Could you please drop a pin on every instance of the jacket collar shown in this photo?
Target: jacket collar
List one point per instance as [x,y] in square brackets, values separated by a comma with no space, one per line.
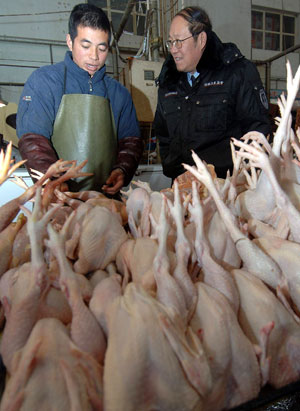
[76,70]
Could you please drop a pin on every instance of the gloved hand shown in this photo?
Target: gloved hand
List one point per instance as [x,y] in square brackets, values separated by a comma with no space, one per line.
[38,151]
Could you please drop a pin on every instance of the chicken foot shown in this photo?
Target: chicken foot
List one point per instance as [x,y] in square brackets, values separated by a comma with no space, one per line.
[168,291]
[183,251]
[5,161]
[214,274]
[10,210]
[73,171]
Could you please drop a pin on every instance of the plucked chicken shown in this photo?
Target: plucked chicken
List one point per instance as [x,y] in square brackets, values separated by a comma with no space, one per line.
[183,299]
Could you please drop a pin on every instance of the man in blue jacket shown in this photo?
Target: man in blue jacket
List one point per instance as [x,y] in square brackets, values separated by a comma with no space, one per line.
[74,111]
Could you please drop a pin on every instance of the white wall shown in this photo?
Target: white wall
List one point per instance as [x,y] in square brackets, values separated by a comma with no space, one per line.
[287,5]
[231,20]
[34,20]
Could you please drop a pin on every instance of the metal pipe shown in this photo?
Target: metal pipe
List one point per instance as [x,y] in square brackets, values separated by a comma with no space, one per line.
[115,62]
[277,56]
[2,83]
[268,80]
[12,39]
[155,41]
[128,10]
[19,66]
[117,35]
[267,64]
[51,54]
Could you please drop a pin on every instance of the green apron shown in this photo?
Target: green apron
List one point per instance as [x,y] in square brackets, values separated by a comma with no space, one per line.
[84,129]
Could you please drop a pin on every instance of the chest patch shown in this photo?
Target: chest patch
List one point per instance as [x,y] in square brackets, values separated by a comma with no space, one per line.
[171,93]
[214,83]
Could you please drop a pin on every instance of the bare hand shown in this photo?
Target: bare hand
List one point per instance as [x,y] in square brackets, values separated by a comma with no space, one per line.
[114,182]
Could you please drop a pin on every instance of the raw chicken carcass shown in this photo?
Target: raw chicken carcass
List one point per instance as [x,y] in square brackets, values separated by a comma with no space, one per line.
[268,324]
[103,296]
[51,373]
[254,259]
[7,237]
[15,281]
[259,158]
[101,236]
[135,261]
[140,202]
[142,372]
[221,245]
[169,291]
[234,366]
[213,273]
[96,276]
[85,331]
[74,200]
[22,315]
[183,252]
[138,206]
[38,351]
[259,203]
[280,228]
[287,256]
[21,248]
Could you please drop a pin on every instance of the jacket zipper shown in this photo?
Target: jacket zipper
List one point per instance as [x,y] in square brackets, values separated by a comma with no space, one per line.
[91,84]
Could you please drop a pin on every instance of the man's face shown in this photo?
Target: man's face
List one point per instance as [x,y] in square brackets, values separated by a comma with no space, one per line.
[89,48]
[187,57]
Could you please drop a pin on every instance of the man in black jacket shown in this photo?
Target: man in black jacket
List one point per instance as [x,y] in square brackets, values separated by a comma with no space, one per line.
[208,93]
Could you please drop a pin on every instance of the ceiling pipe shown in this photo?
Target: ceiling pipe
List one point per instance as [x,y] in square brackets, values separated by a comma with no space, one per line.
[118,34]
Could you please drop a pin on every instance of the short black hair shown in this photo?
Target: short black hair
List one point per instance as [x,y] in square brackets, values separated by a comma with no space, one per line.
[88,15]
[197,18]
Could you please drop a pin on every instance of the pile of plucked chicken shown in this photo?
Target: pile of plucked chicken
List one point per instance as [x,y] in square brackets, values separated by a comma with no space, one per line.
[183,299]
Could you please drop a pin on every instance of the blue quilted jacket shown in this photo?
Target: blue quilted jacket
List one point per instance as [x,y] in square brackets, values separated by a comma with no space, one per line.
[44,89]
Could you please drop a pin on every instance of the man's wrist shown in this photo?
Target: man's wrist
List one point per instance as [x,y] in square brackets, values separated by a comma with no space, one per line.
[119,169]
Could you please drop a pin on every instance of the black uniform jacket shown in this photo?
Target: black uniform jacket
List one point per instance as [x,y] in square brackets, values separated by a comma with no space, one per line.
[227,100]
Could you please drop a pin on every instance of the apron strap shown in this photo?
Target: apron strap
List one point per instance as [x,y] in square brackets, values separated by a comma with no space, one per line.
[65,80]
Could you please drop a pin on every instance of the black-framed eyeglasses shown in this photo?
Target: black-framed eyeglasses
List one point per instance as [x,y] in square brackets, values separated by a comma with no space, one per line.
[176,43]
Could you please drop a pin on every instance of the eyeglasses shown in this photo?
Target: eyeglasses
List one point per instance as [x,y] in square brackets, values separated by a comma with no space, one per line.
[176,43]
